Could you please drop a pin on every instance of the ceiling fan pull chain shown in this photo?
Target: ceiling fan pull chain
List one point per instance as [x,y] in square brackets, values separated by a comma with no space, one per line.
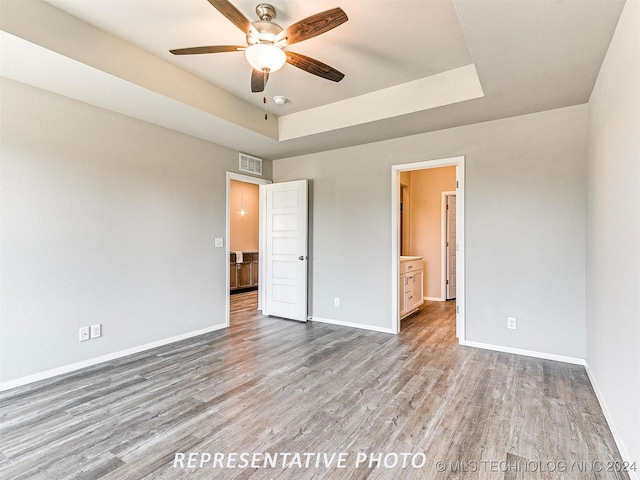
[265,72]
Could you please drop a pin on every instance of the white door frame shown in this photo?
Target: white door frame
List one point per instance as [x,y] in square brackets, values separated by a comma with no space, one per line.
[395,238]
[256,181]
[443,244]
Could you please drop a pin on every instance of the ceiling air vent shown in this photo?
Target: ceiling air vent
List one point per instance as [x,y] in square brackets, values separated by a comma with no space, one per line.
[250,164]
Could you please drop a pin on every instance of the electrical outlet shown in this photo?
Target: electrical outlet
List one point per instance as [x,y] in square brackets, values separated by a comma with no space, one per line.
[96,330]
[336,302]
[511,323]
[218,242]
[84,334]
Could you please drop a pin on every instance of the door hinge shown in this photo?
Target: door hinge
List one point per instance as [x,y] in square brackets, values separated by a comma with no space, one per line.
[457,308]
[447,282]
[457,184]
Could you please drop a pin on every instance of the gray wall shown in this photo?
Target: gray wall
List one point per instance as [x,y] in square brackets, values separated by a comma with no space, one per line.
[105,219]
[613,258]
[525,224]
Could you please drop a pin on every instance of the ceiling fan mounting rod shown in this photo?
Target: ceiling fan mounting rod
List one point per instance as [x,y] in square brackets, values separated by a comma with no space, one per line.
[265,12]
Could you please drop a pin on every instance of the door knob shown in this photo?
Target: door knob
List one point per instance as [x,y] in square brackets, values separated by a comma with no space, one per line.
[301,257]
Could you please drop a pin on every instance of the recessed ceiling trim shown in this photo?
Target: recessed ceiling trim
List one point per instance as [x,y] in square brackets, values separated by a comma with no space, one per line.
[445,88]
[34,65]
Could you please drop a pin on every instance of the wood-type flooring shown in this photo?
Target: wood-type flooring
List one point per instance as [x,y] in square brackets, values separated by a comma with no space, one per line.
[321,401]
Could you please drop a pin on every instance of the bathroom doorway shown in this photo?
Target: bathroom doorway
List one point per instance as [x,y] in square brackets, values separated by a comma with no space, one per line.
[423,264]
[243,242]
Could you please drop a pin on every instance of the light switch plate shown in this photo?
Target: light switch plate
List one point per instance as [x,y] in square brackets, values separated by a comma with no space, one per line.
[219,242]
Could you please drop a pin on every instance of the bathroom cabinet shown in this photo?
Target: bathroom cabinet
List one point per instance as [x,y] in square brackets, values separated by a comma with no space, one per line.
[243,275]
[411,284]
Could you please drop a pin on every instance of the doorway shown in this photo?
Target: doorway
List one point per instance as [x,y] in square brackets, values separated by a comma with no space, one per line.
[243,244]
[425,234]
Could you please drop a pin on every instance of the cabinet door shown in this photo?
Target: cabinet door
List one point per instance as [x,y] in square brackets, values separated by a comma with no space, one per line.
[403,295]
[254,272]
[233,280]
[409,292]
[244,275]
[418,295]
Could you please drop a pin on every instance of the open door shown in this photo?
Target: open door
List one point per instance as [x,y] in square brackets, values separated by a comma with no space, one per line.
[451,247]
[285,266]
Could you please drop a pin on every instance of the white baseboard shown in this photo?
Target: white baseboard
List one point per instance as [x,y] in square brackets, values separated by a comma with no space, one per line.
[526,353]
[352,325]
[104,358]
[434,299]
[612,426]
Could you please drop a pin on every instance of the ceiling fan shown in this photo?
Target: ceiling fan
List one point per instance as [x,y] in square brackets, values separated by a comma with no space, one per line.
[266,42]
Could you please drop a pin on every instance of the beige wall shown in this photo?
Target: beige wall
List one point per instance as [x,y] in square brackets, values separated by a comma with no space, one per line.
[243,229]
[405,183]
[426,187]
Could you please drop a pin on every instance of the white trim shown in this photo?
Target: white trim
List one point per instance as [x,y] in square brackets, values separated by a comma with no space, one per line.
[434,299]
[256,181]
[104,358]
[624,453]
[351,325]
[458,162]
[526,353]
[443,243]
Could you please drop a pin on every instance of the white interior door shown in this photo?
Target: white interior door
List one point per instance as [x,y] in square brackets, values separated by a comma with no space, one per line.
[451,247]
[285,266]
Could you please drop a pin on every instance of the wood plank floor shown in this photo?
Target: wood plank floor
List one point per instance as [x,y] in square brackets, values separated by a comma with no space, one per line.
[272,386]
[243,302]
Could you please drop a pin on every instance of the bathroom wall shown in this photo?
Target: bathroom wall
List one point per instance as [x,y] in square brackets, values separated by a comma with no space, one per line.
[243,228]
[426,187]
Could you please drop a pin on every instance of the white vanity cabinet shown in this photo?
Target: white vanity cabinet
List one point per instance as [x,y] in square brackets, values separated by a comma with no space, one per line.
[411,284]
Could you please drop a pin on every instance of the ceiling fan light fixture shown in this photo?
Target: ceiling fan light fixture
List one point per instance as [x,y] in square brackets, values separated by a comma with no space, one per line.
[265,57]
[266,42]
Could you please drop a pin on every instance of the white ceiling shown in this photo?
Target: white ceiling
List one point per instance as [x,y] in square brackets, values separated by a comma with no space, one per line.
[399,57]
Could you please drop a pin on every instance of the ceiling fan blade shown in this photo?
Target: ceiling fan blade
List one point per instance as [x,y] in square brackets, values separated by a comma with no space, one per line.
[314,66]
[312,26]
[213,49]
[258,80]
[234,15]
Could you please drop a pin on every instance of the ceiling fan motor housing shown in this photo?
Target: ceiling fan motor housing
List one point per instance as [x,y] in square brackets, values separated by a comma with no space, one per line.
[267,32]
